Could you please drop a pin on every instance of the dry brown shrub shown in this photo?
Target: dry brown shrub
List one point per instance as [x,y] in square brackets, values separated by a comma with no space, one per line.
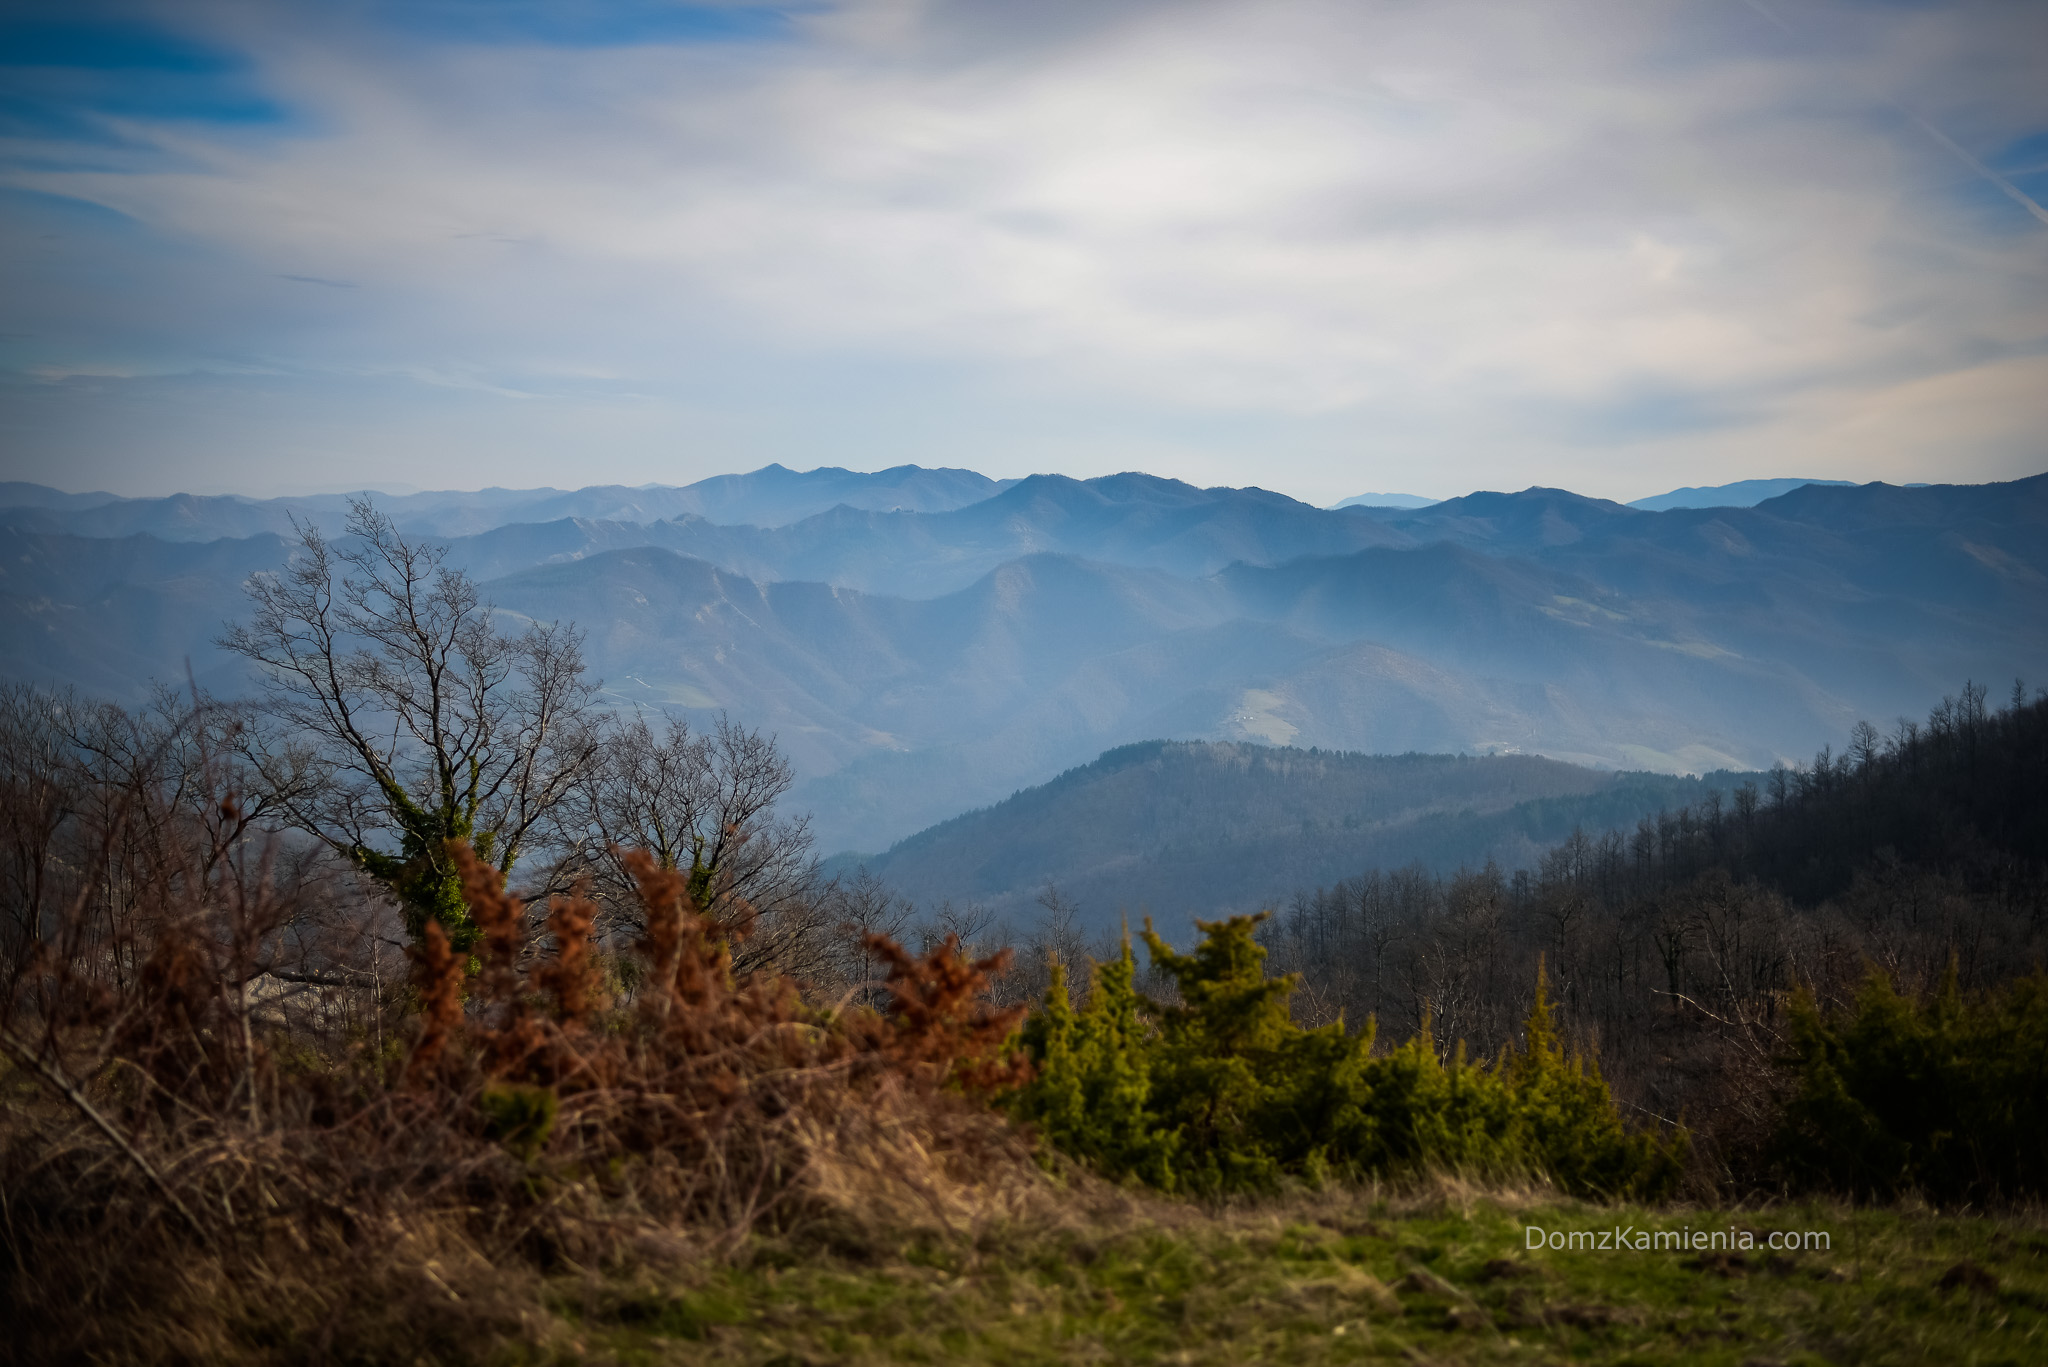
[942,1025]
[571,978]
[182,1179]
[439,973]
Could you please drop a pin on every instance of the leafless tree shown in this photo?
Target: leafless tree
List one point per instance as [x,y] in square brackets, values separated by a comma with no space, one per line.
[703,802]
[1455,966]
[106,812]
[397,716]
[1057,935]
[969,923]
[39,797]
[868,906]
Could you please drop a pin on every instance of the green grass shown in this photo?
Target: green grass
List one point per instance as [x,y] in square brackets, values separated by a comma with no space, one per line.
[1349,1279]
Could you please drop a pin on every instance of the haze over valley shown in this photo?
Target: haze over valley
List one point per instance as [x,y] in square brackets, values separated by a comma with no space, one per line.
[926,642]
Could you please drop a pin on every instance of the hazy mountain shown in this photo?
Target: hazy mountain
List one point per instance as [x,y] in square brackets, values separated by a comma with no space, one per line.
[1541,622]
[1128,519]
[773,496]
[1181,830]
[179,517]
[769,497]
[1163,524]
[900,712]
[1036,628]
[15,494]
[1120,519]
[111,616]
[1535,519]
[1743,493]
[1876,593]
[904,709]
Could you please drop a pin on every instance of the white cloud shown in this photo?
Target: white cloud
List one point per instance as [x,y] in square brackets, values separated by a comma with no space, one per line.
[1488,230]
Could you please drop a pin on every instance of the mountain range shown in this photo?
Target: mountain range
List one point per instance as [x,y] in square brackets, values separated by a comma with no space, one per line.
[919,661]
[769,497]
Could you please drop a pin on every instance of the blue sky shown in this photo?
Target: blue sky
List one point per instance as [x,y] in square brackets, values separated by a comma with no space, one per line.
[1324,246]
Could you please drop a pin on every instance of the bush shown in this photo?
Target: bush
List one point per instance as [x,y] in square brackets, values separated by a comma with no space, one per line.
[1225,1093]
[1946,1097]
[186,1174]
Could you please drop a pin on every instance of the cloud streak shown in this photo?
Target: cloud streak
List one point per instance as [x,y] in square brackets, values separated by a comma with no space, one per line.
[2005,187]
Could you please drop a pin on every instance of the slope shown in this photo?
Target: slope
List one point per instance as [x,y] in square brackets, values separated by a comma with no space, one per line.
[1198,829]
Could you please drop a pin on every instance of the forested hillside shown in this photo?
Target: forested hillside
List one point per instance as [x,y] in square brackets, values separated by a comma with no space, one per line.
[1180,829]
[1675,946]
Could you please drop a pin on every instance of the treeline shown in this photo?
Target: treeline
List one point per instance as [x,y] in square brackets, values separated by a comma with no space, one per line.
[1677,949]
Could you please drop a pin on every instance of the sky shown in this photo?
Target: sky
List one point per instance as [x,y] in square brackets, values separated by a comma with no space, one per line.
[1616,246]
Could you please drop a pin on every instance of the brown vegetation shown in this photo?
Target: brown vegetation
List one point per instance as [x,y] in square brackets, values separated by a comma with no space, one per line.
[206,1152]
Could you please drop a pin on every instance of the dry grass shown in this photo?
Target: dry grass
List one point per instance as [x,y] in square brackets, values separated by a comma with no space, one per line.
[1419,1275]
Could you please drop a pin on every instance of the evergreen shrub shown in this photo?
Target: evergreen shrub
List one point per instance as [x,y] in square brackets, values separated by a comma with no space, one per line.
[1946,1097]
[1223,1092]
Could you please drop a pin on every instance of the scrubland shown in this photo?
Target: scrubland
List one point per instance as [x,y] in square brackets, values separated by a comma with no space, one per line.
[563,1156]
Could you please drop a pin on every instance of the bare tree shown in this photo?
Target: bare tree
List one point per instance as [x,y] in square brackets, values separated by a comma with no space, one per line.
[867,907]
[1060,929]
[104,813]
[966,922]
[704,803]
[1455,966]
[40,794]
[1057,936]
[1865,745]
[396,716]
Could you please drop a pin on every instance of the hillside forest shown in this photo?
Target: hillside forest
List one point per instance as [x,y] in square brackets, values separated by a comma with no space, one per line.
[1691,950]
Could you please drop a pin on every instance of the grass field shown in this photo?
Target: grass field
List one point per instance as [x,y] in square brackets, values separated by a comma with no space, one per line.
[1446,1279]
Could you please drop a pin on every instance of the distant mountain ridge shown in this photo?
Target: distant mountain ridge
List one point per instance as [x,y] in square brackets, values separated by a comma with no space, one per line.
[772,496]
[1130,519]
[15,493]
[1141,520]
[916,664]
[1743,493]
